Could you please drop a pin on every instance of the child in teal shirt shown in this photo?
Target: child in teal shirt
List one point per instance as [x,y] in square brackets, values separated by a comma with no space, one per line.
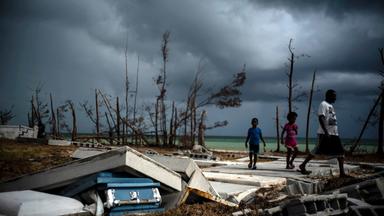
[254,136]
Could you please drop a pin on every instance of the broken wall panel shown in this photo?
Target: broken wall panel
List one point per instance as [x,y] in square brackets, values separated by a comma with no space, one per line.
[182,165]
[370,191]
[197,187]
[16,131]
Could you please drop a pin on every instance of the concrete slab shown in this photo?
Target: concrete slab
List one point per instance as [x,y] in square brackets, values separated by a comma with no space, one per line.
[199,188]
[124,159]
[226,189]
[210,163]
[59,142]
[173,200]
[297,187]
[254,180]
[83,152]
[234,192]
[277,169]
[199,182]
[37,203]
[191,173]
[246,196]
[192,193]
[182,165]
[271,173]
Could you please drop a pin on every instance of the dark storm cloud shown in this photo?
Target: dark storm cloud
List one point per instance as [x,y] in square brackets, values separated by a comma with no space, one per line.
[344,43]
[355,28]
[337,9]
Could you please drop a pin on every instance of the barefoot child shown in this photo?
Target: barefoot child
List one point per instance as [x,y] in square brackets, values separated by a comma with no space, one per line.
[290,142]
[254,136]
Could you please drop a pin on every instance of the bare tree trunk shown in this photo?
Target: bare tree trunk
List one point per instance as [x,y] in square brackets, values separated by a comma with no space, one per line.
[58,122]
[36,120]
[309,113]
[124,138]
[37,92]
[171,125]
[381,122]
[53,118]
[164,124]
[126,91]
[109,108]
[193,122]
[186,117]
[136,93]
[165,53]
[175,128]
[29,120]
[290,75]
[118,120]
[157,122]
[185,130]
[110,130]
[97,113]
[202,127]
[161,80]
[31,116]
[193,110]
[126,80]
[191,132]
[277,129]
[74,125]
[34,112]
[356,143]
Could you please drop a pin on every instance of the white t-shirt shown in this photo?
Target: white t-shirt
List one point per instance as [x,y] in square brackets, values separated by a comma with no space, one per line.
[326,109]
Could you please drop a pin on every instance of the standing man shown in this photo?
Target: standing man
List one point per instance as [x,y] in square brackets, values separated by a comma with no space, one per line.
[329,143]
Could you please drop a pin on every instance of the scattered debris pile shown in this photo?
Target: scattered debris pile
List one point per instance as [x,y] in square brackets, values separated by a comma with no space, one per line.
[119,181]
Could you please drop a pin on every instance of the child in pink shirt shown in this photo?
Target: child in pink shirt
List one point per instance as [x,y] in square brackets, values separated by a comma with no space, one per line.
[290,142]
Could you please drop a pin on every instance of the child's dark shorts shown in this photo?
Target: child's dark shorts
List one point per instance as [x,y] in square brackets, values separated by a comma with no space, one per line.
[254,149]
[329,146]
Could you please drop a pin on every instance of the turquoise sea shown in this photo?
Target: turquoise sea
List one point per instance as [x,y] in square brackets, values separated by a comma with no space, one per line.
[237,143]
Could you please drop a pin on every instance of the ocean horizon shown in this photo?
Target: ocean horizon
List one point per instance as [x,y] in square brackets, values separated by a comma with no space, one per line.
[238,143]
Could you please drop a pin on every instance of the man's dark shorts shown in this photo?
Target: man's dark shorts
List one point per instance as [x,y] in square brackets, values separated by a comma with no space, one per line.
[254,149]
[329,146]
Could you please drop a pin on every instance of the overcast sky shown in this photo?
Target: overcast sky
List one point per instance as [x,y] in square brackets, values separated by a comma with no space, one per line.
[72,47]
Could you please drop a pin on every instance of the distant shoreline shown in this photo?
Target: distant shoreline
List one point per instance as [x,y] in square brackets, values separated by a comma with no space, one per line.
[236,143]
